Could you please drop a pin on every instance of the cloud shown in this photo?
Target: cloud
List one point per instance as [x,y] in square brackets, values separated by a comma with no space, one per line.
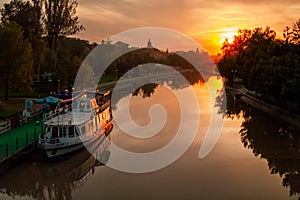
[197,18]
[192,17]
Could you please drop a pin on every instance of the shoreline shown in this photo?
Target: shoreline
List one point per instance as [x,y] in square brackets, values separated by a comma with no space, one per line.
[275,111]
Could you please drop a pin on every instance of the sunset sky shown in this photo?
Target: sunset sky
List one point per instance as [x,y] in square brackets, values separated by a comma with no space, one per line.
[206,21]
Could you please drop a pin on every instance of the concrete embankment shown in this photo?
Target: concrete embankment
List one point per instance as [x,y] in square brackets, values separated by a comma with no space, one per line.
[267,108]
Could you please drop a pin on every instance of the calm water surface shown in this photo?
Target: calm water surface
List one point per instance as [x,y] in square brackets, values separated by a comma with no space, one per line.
[256,157]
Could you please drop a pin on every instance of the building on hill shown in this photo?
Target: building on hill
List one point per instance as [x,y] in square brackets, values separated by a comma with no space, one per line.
[149,44]
[216,58]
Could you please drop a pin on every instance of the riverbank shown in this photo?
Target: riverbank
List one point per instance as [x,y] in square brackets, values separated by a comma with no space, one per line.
[265,107]
[16,158]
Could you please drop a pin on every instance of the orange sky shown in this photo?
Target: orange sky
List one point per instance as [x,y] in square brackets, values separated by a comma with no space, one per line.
[206,21]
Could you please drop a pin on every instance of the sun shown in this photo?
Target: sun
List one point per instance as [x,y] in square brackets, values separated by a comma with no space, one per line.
[229,34]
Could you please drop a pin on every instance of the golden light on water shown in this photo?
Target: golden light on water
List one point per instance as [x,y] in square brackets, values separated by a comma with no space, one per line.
[216,83]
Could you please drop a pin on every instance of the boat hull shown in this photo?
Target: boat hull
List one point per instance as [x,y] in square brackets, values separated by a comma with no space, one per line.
[95,145]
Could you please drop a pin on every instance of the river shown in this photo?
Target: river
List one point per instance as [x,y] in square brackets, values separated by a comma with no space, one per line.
[256,157]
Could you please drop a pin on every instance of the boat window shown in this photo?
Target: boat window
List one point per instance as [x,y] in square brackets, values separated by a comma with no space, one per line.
[77,132]
[71,131]
[54,131]
[87,128]
[91,126]
[83,130]
[94,104]
[64,131]
[81,106]
[96,124]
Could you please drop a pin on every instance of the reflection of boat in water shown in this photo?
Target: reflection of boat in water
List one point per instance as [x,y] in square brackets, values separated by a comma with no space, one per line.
[38,178]
[51,180]
[70,128]
[75,168]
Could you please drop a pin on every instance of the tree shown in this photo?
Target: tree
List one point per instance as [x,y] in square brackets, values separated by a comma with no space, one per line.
[239,43]
[15,58]
[28,14]
[60,20]
[268,66]
[292,35]
[71,53]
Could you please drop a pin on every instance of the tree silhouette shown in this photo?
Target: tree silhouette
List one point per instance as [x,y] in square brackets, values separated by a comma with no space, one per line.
[60,20]
[268,66]
[15,58]
[28,15]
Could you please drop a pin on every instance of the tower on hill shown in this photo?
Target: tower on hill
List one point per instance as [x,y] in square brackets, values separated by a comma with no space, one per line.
[149,44]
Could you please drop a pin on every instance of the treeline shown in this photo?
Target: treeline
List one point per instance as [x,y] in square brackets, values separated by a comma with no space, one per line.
[119,58]
[33,41]
[266,65]
[146,55]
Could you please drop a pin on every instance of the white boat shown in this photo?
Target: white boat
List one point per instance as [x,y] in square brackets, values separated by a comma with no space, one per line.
[84,123]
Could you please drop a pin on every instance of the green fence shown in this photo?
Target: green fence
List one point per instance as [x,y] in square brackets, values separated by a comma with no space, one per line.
[18,138]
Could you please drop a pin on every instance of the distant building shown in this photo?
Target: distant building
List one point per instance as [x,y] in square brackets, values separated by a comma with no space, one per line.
[216,58]
[149,44]
[122,44]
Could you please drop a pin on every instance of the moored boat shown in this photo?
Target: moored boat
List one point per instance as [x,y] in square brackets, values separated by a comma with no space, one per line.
[83,123]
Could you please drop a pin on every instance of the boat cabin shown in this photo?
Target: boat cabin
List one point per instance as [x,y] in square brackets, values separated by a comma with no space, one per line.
[85,105]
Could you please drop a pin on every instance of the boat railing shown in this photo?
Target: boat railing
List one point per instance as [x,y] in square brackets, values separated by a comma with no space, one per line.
[48,116]
[58,111]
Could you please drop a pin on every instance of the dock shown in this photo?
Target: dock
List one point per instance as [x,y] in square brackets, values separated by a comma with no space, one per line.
[15,141]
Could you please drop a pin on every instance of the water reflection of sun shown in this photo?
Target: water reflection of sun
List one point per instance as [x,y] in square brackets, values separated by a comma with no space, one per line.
[215,83]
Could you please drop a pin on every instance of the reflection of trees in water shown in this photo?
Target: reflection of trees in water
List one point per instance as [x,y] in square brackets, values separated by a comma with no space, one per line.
[220,102]
[230,107]
[146,90]
[270,139]
[44,180]
[193,77]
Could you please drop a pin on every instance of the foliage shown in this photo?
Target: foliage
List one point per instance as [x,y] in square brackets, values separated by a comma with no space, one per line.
[268,66]
[28,15]
[11,107]
[60,20]
[71,53]
[55,19]
[292,35]
[15,58]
